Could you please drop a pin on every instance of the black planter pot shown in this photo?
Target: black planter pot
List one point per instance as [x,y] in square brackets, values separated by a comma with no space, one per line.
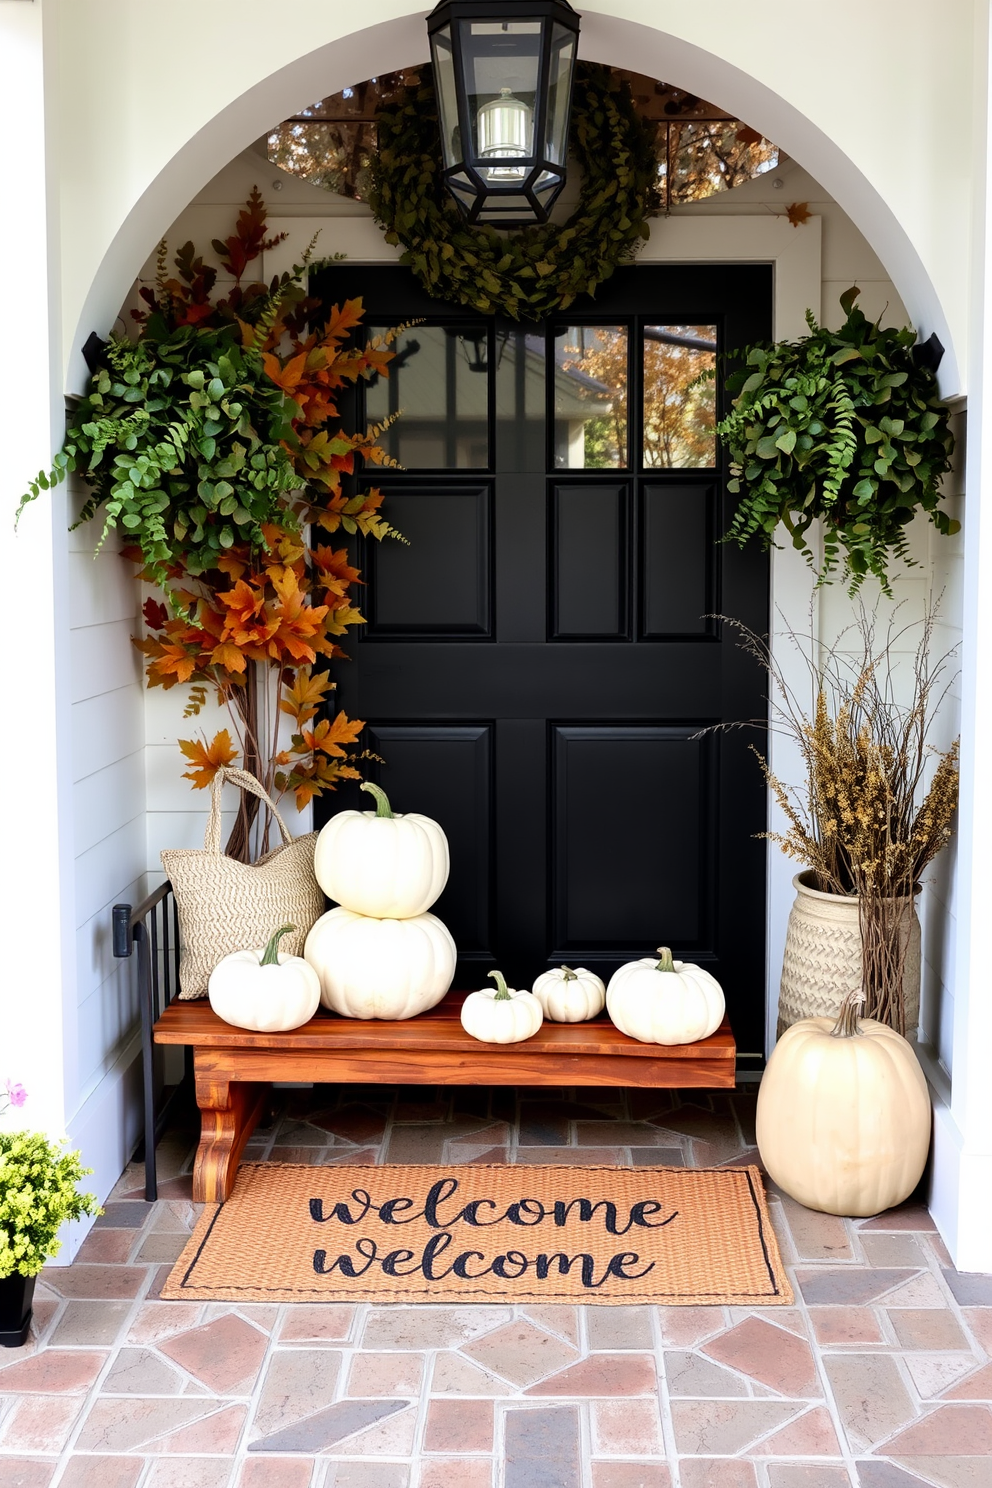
[16,1297]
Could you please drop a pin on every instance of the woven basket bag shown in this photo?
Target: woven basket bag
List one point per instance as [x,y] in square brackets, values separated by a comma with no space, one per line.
[227,906]
[822,961]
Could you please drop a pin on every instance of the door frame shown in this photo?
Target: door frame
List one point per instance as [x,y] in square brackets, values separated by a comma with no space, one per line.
[693,237]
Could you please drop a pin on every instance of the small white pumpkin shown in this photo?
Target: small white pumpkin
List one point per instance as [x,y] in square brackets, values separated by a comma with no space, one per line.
[568,996]
[372,968]
[501,1015]
[375,863]
[665,1001]
[843,1120]
[264,989]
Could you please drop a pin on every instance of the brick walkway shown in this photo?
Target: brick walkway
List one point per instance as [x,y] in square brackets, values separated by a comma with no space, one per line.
[879,1377]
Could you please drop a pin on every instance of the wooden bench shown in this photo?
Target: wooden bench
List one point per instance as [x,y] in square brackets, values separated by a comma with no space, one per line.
[234,1066]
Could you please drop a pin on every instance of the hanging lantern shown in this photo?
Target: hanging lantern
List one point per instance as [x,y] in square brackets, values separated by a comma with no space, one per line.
[503,75]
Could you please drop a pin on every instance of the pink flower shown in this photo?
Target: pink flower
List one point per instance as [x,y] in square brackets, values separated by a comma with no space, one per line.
[16,1094]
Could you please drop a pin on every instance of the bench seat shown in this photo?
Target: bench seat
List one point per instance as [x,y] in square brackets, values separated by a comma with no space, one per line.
[235,1066]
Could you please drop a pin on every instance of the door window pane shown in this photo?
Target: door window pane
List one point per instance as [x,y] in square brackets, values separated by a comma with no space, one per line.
[679,411]
[591,397]
[521,400]
[439,385]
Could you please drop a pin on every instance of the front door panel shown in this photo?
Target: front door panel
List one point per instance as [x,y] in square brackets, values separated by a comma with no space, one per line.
[539,661]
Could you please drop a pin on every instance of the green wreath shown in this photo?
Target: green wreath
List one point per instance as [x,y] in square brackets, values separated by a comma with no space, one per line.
[530,273]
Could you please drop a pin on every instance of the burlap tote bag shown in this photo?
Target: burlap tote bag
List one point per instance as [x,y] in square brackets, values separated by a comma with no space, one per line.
[229,906]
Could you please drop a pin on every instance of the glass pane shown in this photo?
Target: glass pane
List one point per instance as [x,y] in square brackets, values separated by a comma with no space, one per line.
[708,156]
[362,100]
[335,156]
[559,91]
[447,97]
[591,397]
[439,386]
[501,62]
[679,412]
[521,400]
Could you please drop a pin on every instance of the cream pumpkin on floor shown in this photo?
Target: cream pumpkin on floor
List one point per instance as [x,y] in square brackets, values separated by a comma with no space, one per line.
[843,1119]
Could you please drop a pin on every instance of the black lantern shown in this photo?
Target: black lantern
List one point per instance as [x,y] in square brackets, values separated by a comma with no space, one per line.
[503,74]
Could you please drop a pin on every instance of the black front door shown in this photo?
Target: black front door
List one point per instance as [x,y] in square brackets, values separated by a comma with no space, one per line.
[539,661]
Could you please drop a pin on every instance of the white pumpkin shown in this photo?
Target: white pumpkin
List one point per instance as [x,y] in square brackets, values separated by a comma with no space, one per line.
[380,968]
[568,996]
[264,989]
[499,1015]
[844,1114]
[665,1001]
[375,863]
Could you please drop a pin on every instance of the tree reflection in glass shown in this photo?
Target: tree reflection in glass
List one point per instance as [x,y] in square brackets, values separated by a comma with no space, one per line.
[591,397]
[679,410]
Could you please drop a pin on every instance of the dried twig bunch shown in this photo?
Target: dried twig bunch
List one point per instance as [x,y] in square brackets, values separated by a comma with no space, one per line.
[879,798]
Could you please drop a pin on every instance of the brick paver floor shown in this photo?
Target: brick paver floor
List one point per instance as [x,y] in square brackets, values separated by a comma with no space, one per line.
[880,1376]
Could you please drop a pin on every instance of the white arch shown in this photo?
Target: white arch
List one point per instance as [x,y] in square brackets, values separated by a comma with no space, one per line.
[612,39]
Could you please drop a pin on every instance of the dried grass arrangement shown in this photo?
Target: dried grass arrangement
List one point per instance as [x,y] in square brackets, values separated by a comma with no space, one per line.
[879,798]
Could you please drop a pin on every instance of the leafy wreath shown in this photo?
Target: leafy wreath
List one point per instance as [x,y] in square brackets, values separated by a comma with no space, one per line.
[527,274]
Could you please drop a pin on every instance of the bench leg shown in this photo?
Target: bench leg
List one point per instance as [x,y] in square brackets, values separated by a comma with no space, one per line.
[229,1110]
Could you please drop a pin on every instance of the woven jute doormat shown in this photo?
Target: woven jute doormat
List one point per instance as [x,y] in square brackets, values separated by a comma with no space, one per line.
[292,1233]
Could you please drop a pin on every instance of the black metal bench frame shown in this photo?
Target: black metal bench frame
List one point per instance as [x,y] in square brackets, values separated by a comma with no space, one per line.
[153,928]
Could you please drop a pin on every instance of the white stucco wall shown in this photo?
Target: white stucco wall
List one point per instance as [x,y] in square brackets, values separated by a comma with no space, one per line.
[872,135]
[123,143]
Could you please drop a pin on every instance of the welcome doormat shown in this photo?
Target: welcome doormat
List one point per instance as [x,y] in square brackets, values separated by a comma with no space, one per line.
[293,1233]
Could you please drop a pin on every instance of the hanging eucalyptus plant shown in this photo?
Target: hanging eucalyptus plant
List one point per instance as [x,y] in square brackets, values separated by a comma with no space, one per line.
[845,426]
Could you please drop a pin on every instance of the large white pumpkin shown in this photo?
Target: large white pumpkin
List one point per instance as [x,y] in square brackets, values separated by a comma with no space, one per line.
[844,1114]
[665,1001]
[569,996]
[500,1015]
[375,863]
[264,989]
[380,968]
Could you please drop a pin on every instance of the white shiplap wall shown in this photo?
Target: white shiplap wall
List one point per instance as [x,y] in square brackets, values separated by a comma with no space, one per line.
[108,748]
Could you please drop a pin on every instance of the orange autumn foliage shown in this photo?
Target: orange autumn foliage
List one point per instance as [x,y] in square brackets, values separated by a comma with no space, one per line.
[268,618]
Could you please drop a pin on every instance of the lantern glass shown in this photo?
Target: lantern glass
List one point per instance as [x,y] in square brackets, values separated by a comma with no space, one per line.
[502,65]
[447,96]
[503,78]
[559,94]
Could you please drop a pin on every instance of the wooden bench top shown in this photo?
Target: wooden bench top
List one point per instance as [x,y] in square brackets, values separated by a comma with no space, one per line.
[438,1031]
[235,1066]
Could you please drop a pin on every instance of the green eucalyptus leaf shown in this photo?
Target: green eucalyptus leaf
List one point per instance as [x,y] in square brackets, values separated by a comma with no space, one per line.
[866,478]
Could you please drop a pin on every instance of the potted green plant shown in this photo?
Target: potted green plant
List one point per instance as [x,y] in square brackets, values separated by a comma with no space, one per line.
[38,1194]
[843,426]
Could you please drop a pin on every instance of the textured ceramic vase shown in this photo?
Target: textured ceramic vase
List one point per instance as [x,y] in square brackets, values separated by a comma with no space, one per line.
[822,959]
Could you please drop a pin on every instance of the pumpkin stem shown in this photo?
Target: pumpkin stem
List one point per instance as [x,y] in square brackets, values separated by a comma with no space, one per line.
[382,806]
[665,962]
[270,956]
[847,1025]
[502,995]
[568,974]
